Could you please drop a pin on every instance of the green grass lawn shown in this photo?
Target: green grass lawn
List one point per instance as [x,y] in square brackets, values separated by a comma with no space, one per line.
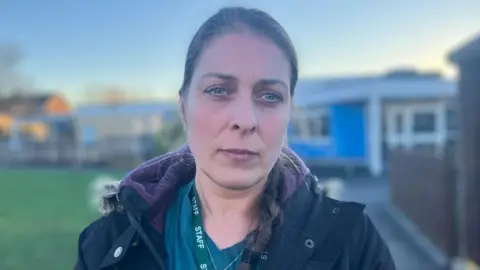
[41,214]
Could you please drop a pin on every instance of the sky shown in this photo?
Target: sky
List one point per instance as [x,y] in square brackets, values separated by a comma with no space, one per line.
[75,46]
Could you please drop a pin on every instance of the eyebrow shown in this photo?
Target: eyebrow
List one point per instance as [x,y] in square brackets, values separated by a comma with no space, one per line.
[227,77]
[220,76]
[273,82]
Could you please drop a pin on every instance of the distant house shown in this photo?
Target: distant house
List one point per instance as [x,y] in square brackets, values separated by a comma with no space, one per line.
[358,120]
[15,108]
[127,128]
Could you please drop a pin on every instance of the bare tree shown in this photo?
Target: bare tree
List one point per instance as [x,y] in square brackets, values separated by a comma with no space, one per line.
[11,79]
[171,136]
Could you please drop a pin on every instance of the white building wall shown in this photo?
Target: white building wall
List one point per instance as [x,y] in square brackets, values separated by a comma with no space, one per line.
[374,129]
[408,139]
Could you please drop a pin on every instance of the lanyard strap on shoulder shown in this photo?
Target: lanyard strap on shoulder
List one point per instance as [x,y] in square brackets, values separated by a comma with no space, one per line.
[201,252]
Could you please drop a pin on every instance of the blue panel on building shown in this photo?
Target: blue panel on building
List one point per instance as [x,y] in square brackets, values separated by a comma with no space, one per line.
[347,138]
[348,129]
[308,149]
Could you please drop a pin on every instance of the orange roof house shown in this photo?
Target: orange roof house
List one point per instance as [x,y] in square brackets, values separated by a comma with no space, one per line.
[19,106]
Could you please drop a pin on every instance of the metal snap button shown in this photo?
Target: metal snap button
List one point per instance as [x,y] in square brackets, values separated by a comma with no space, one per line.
[309,243]
[336,210]
[118,252]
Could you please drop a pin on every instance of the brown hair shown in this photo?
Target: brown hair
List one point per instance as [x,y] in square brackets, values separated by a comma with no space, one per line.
[237,19]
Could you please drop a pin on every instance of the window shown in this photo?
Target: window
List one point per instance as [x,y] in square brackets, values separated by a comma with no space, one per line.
[424,122]
[296,131]
[319,125]
[412,125]
[452,119]
[313,124]
[399,124]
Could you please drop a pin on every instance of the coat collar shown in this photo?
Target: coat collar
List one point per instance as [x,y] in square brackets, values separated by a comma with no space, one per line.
[149,189]
[309,218]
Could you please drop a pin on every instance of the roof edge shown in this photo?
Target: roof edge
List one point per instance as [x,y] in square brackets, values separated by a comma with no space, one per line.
[466,51]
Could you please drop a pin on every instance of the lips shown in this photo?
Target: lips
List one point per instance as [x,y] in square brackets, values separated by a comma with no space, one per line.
[240,151]
[239,155]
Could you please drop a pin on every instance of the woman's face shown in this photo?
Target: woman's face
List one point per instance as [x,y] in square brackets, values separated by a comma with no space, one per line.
[237,109]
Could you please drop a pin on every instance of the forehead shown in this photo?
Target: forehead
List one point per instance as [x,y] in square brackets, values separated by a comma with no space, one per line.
[246,56]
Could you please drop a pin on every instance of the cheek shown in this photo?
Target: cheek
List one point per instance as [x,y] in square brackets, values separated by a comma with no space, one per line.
[202,123]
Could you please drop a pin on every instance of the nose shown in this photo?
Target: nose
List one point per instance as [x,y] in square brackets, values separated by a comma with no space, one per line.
[244,117]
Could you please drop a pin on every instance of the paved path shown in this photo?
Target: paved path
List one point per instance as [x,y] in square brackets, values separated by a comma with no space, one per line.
[407,254]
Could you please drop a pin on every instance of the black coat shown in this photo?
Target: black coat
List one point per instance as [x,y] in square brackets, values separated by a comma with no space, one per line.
[316,232]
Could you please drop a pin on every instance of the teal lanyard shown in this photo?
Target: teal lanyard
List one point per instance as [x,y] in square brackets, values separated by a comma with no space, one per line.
[201,252]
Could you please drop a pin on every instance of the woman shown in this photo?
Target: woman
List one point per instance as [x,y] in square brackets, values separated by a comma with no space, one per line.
[233,197]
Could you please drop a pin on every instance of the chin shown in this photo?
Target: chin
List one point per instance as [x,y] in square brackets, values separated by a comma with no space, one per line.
[237,179]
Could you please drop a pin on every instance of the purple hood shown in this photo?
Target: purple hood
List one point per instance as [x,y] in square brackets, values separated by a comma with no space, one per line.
[156,181]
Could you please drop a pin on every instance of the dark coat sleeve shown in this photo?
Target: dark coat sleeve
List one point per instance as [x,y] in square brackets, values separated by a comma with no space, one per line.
[80,263]
[94,242]
[369,248]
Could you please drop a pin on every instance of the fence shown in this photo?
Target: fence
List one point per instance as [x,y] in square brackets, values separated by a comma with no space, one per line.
[112,152]
[423,186]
